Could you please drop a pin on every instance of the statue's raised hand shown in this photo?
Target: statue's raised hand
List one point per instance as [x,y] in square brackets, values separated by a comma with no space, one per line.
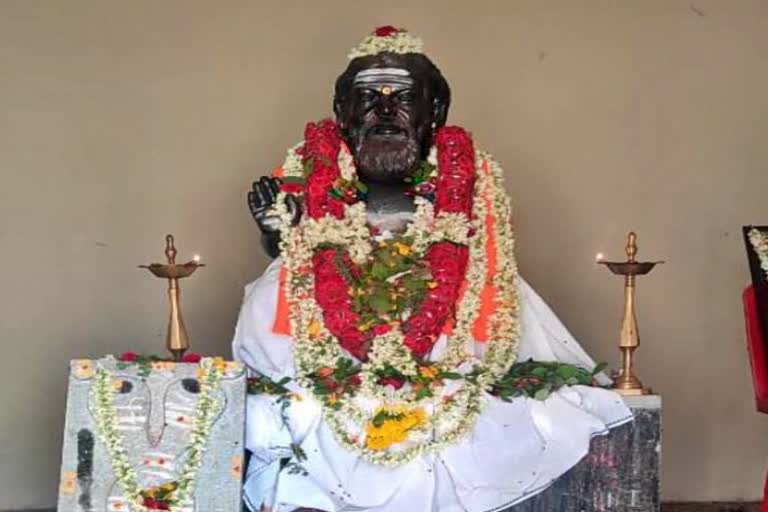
[261,202]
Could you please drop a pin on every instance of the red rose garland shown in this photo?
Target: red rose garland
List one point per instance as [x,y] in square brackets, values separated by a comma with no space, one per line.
[321,150]
[447,261]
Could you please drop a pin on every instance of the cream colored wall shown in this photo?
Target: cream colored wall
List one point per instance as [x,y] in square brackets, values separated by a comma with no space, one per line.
[121,121]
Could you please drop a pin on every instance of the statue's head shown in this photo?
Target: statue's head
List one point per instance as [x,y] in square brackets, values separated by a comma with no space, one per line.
[388,104]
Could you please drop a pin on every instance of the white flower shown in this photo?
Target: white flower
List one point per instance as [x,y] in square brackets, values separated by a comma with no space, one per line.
[760,244]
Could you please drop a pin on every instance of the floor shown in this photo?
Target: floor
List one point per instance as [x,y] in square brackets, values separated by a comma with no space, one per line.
[666,507]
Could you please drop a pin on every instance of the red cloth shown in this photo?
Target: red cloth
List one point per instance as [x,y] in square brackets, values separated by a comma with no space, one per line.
[758,353]
[759,360]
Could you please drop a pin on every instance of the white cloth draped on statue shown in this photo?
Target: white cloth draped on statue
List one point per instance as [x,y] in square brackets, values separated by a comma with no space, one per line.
[515,450]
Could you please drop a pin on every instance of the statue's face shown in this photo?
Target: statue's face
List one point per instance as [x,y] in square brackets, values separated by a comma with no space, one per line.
[387,120]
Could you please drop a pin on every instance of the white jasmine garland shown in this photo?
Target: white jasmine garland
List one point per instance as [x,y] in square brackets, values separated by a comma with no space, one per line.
[206,410]
[760,244]
[400,42]
[453,408]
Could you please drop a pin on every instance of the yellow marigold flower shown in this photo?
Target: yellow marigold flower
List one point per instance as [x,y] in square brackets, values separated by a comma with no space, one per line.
[219,364]
[201,373]
[431,285]
[428,372]
[402,249]
[314,328]
[395,429]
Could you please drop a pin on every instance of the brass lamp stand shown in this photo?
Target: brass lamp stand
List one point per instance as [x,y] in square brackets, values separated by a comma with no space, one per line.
[177,339]
[627,383]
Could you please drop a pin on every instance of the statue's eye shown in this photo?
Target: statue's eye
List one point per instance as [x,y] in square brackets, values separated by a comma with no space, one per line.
[191,386]
[123,387]
[405,96]
[367,95]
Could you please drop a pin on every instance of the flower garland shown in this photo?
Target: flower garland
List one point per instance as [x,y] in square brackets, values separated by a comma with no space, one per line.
[387,39]
[760,244]
[461,235]
[174,493]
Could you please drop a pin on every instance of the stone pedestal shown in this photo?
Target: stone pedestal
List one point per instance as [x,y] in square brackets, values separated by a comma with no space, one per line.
[621,473]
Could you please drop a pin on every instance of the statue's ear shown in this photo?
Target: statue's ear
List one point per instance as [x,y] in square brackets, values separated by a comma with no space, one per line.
[439,111]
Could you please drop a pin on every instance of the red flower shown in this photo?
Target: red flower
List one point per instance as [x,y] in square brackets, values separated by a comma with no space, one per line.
[355,380]
[380,329]
[456,170]
[129,356]
[192,357]
[386,30]
[330,384]
[152,503]
[391,381]
[292,188]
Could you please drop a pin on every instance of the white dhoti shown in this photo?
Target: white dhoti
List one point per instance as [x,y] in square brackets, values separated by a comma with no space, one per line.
[515,450]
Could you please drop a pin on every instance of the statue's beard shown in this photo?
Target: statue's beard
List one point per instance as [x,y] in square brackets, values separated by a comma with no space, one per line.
[385,159]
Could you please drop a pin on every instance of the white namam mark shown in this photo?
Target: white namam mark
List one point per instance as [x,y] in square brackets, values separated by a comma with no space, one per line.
[128,407]
[131,420]
[129,428]
[177,414]
[376,73]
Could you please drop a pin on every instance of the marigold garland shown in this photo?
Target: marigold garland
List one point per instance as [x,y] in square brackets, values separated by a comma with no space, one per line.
[461,231]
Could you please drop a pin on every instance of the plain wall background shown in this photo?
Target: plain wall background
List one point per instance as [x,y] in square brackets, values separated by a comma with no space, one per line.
[121,121]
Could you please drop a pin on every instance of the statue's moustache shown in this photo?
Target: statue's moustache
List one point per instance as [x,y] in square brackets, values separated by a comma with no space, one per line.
[394,128]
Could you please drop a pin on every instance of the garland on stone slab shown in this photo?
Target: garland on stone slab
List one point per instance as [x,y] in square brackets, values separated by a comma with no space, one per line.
[171,495]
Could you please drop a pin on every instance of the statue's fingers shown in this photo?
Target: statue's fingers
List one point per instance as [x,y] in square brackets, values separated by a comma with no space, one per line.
[274,185]
[253,203]
[254,197]
[266,193]
[265,183]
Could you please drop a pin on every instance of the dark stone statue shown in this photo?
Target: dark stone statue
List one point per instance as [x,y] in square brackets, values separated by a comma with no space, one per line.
[388,107]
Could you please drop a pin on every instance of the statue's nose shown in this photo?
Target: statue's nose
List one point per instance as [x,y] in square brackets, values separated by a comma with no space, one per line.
[386,107]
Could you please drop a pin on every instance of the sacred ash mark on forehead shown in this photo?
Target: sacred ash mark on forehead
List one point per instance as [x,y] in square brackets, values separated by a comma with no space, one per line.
[377,78]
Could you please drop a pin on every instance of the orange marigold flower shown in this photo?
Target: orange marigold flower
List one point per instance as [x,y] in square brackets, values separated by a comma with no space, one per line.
[325,371]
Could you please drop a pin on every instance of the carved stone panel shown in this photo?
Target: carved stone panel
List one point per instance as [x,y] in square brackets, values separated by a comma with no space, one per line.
[156,408]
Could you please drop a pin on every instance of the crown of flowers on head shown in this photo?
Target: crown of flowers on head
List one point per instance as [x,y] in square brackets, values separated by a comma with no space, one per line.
[387,39]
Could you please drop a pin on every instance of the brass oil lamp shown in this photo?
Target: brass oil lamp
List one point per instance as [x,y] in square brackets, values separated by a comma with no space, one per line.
[627,383]
[177,339]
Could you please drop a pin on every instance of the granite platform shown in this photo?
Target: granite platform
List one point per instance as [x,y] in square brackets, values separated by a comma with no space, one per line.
[621,473]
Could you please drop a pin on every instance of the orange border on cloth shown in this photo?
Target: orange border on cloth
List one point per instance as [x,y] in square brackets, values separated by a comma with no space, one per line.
[282,325]
[487,294]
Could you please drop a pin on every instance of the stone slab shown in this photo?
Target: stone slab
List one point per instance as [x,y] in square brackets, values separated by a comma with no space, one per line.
[621,472]
[155,414]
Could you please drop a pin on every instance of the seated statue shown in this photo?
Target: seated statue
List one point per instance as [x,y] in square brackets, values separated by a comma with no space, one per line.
[404,364]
